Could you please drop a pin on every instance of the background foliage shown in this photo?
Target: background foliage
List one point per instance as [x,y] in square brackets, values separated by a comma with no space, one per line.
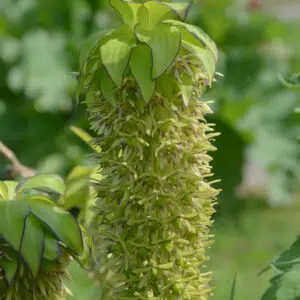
[258,151]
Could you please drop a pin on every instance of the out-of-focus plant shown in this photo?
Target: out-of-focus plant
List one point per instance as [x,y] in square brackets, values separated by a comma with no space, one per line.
[252,108]
[39,236]
[143,84]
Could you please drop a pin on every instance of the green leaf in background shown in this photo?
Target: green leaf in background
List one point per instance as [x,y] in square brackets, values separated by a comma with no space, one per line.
[77,187]
[127,10]
[204,56]
[87,47]
[233,288]
[291,81]
[61,222]
[33,243]
[47,182]
[115,52]
[198,34]
[141,67]
[164,41]
[83,135]
[8,189]
[13,214]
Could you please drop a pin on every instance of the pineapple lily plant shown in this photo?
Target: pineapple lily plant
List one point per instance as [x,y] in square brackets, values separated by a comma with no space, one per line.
[142,83]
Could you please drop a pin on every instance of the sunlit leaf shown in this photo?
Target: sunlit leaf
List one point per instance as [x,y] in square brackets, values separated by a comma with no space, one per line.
[115,52]
[127,10]
[141,67]
[59,221]
[33,243]
[164,41]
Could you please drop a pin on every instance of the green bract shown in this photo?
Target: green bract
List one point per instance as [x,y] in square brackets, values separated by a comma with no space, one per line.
[143,84]
[38,237]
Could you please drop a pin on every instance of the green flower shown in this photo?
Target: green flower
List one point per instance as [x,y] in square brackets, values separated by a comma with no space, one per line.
[143,84]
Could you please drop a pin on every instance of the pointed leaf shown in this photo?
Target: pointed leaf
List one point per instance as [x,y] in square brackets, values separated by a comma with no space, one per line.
[87,47]
[127,10]
[60,221]
[205,58]
[82,134]
[107,86]
[155,12]
[51,251]
[33,243]
[164,40]
[141,67]
[181,9]
[13,214]
[8,189]
[46,182]
[10,269]
[115,52]
[197,33]
[3,191]
[233,287]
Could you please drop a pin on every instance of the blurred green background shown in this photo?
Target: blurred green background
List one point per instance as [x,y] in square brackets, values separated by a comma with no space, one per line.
[258,151]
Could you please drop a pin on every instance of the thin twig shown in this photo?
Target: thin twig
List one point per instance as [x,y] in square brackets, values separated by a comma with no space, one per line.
[16,168]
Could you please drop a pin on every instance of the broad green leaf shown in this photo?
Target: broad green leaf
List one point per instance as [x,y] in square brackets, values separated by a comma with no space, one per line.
[164,41]
[12,221]
[115,52]
[33,243]
[198,33]
[51,250]
[10,268]
[141,67]
[205,58]
[186,88]
[60,221]
[156,12]
[127,10]
[87,47]
[47,182]
[82,134]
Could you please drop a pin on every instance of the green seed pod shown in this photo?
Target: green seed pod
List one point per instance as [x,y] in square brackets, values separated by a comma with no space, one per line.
[143,84]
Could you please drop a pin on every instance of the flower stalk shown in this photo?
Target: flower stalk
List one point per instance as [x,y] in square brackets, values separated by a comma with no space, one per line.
[143,84]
